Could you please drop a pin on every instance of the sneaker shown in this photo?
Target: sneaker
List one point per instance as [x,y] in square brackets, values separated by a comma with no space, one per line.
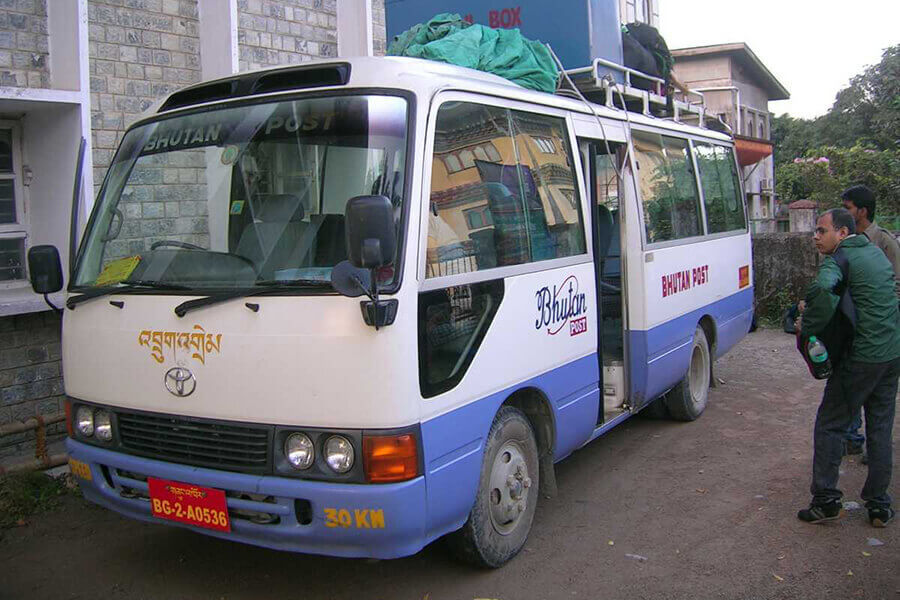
[819,513]
[853,448]
[880,517]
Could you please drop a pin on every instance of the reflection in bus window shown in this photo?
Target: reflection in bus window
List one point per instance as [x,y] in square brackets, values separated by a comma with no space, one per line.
[502,191]
[721,189]
[667,186]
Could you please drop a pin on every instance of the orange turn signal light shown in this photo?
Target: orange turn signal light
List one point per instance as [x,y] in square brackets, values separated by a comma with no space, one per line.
[68,408]
[390,458]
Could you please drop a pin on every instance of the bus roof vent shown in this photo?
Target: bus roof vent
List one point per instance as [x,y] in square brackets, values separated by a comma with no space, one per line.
[253,83]
[217,90]
[303,77]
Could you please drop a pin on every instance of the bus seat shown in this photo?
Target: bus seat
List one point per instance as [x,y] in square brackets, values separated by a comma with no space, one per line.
[605,226]
[276,230]
[331,243]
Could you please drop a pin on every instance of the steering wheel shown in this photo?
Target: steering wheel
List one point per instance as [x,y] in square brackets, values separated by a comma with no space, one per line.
[175,243]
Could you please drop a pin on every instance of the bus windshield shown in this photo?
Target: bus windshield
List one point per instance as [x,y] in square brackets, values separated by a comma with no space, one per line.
[244,196]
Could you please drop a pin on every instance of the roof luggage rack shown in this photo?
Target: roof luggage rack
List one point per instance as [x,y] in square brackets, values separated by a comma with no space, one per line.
[642,93]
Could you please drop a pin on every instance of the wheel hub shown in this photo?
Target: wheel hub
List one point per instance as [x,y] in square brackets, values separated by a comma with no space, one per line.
[509,487]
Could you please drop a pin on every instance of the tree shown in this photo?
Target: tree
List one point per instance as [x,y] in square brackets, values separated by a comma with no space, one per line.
[794,137]
[856,141]
[867,111]
[825,171]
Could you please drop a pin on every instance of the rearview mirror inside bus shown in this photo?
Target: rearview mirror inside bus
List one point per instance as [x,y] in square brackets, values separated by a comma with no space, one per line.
[371,237]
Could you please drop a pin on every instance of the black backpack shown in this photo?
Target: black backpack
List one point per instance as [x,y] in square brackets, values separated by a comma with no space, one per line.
[839,333]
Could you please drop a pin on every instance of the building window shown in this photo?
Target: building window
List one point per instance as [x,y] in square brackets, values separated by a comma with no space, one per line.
[545,144]
[13,223]
[638,10]
[571,197]
[465,158]
[479,218]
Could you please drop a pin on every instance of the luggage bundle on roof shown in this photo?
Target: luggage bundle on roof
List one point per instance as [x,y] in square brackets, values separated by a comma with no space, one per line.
[504,52]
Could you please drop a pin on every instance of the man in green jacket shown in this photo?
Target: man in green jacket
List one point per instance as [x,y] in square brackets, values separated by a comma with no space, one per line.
[867,377]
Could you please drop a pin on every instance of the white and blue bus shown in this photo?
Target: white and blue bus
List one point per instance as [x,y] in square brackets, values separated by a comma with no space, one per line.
[352,307]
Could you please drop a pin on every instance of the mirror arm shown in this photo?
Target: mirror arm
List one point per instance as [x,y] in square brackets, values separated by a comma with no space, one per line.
[374,295]
[377,313]
[55,308]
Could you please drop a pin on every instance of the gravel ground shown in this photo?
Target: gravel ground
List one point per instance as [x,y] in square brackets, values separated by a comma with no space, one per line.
[654,509]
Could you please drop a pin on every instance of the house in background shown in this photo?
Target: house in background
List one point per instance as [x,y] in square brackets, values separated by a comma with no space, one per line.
[737,87]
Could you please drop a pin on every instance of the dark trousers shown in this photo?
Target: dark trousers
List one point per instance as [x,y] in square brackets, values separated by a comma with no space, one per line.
[854,385]
[853,434]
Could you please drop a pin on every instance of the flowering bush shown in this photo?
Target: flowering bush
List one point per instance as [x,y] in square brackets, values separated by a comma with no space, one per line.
[825,172]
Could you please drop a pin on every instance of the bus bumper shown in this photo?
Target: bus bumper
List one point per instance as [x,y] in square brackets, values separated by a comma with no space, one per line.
[297,510]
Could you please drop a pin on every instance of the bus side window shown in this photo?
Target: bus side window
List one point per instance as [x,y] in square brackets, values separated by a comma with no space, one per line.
[721,188]
[503,190]
[452,324]
[667,186]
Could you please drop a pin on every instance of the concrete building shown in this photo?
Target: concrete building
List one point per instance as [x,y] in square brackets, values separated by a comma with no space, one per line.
[86,69]
[737,87]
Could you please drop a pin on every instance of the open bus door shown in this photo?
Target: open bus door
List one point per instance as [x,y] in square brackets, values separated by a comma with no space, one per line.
[603,183]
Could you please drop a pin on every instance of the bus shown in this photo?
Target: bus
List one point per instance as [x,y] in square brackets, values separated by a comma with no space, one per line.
[351,307]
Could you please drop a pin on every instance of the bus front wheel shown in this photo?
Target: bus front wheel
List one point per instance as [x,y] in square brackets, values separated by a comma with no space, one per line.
[507,496]
[687,400]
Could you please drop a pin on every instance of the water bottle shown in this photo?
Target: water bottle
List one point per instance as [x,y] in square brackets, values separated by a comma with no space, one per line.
[818,356]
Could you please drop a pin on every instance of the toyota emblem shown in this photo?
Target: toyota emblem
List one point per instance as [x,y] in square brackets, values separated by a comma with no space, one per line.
[180,381]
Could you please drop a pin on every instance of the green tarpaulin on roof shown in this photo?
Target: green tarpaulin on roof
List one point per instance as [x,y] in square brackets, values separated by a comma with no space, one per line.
[504,52]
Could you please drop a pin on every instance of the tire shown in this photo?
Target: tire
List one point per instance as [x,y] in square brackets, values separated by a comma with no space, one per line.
[687,400]
[507,495]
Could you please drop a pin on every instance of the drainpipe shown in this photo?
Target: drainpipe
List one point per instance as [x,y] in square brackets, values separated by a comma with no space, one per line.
[737,93]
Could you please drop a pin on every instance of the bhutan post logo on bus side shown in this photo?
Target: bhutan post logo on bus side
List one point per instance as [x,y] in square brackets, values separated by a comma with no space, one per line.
[680,281]
[564,305]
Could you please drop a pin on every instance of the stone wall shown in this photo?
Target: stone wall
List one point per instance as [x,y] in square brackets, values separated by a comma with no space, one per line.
[30,376]
[379,28]
[783,265]
[285,32]
[140,50]
[24,44]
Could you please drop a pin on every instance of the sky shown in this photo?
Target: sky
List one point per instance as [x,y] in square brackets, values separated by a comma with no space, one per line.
[813,47]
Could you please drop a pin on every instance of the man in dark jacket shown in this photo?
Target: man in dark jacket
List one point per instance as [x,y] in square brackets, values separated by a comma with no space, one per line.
[860,203]
[867,377]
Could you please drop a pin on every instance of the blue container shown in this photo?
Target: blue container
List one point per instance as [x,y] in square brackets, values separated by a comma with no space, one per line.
[577,30]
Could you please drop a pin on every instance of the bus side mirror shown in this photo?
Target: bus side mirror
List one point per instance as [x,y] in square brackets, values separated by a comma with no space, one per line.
[45,269]
[371,236]
[371,242]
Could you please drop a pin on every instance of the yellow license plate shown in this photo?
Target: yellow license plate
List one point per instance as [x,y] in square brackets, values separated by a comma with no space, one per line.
[80,469]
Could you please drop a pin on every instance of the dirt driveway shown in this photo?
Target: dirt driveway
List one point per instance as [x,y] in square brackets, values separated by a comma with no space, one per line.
[654,509]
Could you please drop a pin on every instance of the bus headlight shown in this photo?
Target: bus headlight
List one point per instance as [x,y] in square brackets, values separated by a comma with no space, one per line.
[339,454]
[103,426]
[84,421]
[299,451]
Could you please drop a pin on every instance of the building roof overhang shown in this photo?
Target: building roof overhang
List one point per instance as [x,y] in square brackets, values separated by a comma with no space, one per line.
[751,150]
[745,56]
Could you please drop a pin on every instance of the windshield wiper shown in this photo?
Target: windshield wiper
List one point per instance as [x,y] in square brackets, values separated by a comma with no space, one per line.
[130,286]
[260,287]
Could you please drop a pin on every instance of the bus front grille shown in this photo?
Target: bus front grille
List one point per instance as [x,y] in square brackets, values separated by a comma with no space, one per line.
[197,442]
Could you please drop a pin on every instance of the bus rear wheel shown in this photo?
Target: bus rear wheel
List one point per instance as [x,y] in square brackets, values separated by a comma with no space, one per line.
[687,400]
[507,496]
